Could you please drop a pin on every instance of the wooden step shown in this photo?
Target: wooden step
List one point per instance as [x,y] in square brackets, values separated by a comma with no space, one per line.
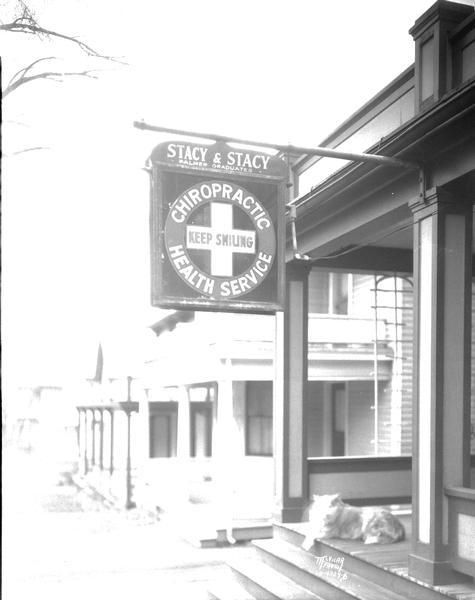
[381,564]
[290,532]
[262,581]
[228,589]
[310,572]
[380,568]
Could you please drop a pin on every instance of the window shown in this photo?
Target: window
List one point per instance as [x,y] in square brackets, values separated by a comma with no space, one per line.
[201,397]
[201,428]
[259,418]
[339,293]
[364,377]
[468,61]
[328,293]
[163,429]
[427,69]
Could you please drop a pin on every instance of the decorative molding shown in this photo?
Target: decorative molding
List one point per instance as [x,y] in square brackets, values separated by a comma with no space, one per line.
[450,12]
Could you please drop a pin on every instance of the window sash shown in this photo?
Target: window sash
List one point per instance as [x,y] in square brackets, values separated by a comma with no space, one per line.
[201,429]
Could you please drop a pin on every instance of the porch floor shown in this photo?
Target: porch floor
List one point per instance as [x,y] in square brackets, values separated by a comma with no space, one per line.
[391,557]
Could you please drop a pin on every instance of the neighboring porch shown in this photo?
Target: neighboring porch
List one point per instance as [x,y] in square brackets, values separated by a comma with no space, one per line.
[107,453]
[203,507]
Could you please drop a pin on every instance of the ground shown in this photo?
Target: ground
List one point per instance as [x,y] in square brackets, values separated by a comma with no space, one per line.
[60,542]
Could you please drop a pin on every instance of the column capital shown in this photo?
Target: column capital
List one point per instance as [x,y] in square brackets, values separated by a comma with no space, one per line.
[433,53]
[449,13]
[298,269]
[437,199]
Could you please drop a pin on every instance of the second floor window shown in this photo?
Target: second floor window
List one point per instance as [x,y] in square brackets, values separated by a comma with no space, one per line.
[328,293]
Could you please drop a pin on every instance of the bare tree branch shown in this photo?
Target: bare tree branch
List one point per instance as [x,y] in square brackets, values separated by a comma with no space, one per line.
[22,72]
[48,75]
[27,24]
[33,148]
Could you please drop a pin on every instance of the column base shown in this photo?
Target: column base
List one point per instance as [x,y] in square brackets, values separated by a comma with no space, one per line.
[434,572]
[294,514]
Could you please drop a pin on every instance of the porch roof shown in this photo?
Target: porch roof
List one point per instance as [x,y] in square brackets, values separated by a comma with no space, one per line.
[365,206]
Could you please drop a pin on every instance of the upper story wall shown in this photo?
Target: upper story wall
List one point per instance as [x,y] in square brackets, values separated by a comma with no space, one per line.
[444,53]
[383,114]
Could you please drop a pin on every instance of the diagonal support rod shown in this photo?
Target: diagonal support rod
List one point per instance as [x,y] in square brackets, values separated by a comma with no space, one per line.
[318,151]
[327,152]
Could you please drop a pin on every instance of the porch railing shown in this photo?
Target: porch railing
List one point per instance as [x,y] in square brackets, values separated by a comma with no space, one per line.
[462,528]
[362,479]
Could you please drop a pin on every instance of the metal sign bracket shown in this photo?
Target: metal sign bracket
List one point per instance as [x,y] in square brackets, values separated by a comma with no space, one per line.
[288,148]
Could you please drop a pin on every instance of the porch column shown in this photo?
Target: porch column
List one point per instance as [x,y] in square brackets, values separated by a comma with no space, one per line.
[101,439]
[183,424]
[111,464]
[83,441]
[128,472]
[88,440]
[290,388]
[143,419]
[225,446]
[442,365]
[224,441]
[93,437]
[78,434]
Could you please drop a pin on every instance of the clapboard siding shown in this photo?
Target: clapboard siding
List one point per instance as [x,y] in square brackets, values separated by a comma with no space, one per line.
[315,423]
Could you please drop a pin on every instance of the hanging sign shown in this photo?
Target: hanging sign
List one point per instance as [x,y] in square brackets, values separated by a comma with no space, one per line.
[217,228]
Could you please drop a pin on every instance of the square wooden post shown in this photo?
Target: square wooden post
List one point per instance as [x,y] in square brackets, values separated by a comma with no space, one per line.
[225,447]
[128,466]
[83,441]
[111,463]
[183,425]
[92,425]
[101,439]
[442,366]
[290,388]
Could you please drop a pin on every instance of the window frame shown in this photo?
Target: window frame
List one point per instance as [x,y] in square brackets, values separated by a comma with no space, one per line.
[205,409]
[169,410]
[248,417]
[332,283]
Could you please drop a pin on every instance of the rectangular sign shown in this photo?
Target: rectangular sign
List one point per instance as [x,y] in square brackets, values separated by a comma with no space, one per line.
[217,228]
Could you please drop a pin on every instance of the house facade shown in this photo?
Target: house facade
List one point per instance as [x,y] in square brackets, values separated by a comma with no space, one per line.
[203,406]
[413,221]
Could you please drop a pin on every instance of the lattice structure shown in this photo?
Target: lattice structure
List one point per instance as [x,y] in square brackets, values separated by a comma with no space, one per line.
[393,303]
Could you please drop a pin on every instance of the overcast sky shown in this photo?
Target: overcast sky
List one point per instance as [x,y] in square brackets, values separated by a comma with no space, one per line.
[75,215]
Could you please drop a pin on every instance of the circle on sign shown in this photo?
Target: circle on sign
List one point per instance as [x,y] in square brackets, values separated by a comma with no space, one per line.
[220,239]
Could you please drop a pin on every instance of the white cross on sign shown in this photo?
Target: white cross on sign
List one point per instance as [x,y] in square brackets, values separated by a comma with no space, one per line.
[221,239]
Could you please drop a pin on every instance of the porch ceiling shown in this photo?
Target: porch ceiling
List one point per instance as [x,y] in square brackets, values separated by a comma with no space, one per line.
[403,238]
[388,248]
